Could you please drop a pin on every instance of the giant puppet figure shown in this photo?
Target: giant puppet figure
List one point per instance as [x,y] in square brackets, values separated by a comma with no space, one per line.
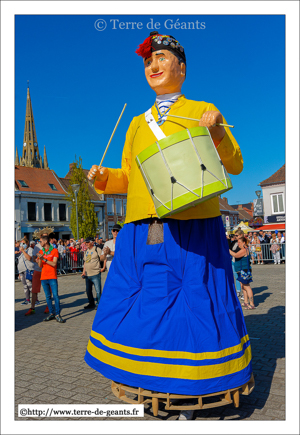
[169,319]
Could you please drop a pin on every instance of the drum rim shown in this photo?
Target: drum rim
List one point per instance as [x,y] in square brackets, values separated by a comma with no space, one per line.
[168,141]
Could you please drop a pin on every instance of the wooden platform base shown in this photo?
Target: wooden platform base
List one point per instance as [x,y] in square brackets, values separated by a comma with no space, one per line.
[141,396]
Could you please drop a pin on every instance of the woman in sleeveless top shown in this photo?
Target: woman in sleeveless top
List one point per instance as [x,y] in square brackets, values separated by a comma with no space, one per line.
[245,273]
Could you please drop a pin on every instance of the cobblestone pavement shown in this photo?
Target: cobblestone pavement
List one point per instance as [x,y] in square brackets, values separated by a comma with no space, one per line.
[50,369]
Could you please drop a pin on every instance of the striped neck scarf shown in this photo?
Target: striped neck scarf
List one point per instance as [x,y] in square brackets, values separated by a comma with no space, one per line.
[163,104]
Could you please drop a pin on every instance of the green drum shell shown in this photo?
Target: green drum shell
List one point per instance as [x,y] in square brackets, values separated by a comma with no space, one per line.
[184,165]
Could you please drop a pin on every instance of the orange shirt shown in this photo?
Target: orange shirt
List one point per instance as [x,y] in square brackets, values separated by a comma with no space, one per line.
[49,272]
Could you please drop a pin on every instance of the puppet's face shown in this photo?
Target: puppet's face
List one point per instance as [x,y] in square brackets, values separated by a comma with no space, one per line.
[164,73]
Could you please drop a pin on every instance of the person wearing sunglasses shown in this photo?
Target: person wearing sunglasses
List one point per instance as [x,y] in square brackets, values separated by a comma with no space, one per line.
[108,251]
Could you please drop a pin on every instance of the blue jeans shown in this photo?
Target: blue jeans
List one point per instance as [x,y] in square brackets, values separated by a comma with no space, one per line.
[237,283]
[89,281]
[47,283]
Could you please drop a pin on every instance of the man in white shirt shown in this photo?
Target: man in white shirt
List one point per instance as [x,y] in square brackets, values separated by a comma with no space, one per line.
[36,278]
[109,247]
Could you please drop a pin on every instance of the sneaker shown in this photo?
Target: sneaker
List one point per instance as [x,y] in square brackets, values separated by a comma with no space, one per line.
[89,307]
[46,310]
[26,302]
[242,297]
[238,294]
[59,319]
[37,302]
[50,317]
[30,311]
[186,414]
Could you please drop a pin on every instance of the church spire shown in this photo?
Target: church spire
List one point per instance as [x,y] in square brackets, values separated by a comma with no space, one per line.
[45,159]
[17,161]
[30,155]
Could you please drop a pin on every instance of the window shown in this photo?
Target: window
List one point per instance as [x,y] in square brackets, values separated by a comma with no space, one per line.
[23,183]
[52,186]
[110,227]
[119,207]
[48,211]
[31,211]
[100,216]
[124,207]
[110,206]
[277,202]
[62,212]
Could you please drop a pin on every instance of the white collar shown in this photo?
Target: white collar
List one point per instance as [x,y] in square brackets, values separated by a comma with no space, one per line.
[165,97]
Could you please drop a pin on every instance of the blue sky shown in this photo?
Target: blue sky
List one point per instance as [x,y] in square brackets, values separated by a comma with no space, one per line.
[80,78]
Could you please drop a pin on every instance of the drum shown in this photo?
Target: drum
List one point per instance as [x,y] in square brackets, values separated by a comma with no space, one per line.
[183,170]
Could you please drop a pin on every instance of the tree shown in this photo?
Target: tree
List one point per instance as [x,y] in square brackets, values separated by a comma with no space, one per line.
[87,218]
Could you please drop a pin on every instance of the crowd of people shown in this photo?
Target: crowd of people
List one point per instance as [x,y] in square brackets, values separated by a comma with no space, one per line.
[246,250]
[38,263]
[265,246]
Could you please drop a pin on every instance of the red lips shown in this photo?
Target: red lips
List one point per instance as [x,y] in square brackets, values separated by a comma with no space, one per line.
[156,75]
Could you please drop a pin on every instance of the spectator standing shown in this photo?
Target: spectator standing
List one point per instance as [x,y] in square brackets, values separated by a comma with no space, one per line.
[263,241]
[36,280]
[256,242]
[252,248]
[233,246]
[92,272]
[47,260]
[83,246]
[25,263]
[280,242]
[275,249]
[99,243]
[61,251]
[245,272]
[108,251]
[74,251]
[17,254]
[283,246]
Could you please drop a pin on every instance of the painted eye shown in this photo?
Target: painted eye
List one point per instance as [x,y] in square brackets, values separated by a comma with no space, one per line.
[162,58]
[148,63]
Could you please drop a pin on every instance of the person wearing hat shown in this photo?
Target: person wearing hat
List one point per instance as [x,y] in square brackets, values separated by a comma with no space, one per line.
[108,251]
[92,272]
[170,303]
[36,278]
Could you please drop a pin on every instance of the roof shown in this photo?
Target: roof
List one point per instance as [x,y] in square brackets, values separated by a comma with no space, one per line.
[248,205]
[37,180]
[224,206]
[277,178]
[243,215]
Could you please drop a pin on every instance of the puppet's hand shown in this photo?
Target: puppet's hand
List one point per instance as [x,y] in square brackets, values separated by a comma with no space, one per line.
[210,119]
[99,172]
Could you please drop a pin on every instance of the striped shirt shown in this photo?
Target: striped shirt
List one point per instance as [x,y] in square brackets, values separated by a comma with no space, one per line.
[163,104]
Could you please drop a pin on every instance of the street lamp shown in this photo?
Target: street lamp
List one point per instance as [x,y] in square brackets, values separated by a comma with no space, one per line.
[258,193]
[75,188]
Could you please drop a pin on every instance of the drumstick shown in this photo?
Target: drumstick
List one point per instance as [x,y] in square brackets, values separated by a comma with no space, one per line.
[192,119]
[112,135]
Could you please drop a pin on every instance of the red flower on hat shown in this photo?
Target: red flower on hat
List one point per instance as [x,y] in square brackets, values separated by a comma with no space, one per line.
[144,49]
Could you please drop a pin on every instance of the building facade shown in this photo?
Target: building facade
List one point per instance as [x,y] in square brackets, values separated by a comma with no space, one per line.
[273,189]
[40,201]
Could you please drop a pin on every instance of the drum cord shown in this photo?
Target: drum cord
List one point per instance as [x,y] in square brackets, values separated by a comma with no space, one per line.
[173,179]
[203,167]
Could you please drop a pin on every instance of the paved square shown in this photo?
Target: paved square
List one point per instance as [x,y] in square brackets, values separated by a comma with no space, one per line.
[49,364]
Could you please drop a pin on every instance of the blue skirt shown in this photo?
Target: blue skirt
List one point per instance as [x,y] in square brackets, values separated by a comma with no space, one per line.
[169,319]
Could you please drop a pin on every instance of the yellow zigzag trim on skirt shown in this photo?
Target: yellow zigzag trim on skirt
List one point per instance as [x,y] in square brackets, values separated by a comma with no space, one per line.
[170,370]
[169,353]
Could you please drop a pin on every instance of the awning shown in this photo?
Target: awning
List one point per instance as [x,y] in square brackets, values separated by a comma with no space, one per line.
[272,227]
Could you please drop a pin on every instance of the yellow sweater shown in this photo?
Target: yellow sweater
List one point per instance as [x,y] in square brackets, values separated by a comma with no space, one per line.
[128,178]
